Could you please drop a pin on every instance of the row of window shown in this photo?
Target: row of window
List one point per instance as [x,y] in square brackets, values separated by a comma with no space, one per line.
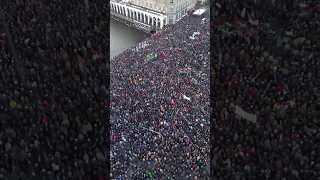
[171,10]
[146,4]
[177,15]
[178,8]
[185,2]
[150,5]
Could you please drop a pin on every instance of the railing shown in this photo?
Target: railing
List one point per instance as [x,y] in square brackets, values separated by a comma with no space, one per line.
[131,22]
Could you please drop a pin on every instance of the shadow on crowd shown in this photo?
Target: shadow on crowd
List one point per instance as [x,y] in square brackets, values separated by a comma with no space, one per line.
[265,84]
[53,121]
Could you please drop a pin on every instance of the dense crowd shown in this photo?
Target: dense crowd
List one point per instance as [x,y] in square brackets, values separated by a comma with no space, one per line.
[268,68]
[54,90]
[160,104]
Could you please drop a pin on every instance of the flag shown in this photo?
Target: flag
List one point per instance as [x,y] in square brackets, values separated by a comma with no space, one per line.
[251,21]
[187,98]
[248,116]
[192,37]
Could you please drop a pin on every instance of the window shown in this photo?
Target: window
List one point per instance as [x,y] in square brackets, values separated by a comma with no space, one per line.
[170,19]
[171,1]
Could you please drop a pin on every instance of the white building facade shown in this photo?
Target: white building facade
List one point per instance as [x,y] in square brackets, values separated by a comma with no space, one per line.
[155,5]
[176,9]
[153,13]
[138,14]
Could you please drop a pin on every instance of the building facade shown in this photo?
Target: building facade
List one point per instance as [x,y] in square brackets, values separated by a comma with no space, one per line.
[172,9]
[136,16]
[148,15]
[176,9]
[155,5]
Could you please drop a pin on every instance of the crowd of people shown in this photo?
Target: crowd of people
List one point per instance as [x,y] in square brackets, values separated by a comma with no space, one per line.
[268,68]
[54,93]
[159,111]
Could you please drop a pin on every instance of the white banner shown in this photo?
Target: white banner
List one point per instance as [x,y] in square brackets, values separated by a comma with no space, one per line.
[248,116]
[187,98]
